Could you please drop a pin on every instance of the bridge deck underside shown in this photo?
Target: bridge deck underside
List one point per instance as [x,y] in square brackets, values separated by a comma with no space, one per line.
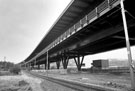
[104,34]
[75,11]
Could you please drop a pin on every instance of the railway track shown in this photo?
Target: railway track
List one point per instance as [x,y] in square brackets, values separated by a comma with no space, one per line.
[77,86]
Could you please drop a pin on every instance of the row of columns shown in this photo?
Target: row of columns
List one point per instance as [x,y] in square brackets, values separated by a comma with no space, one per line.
[63,58]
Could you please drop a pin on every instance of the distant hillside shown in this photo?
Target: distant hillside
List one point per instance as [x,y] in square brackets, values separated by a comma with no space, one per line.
[119,62]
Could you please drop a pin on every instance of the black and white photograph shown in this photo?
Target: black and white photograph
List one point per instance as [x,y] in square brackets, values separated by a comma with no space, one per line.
[67,45]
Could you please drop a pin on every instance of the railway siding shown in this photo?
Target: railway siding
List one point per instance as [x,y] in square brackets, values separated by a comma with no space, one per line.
[80,82]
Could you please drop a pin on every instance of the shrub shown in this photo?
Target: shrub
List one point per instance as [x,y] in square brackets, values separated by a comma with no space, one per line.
[15,70]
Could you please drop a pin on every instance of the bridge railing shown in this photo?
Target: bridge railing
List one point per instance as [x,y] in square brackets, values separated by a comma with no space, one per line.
[102,6]
[92,15]
[111,2]
[61,37]
[65,35]
[84,21]
[68,32]
[72,30]
[78,25]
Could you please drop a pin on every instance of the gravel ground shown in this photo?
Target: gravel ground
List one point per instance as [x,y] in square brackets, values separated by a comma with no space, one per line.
[50,86]
[119,82]
[15,83]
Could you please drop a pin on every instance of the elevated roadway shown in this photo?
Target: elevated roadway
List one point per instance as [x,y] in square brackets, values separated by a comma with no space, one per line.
[85,27]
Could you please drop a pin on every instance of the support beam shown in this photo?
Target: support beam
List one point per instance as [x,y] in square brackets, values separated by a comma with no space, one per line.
[29,66]
[35,64]
[65,61]
[47,60]
[32,66]
[48,64]
[121,37]
[131,65]
[58,64]
[45,65]
[25,65]
[79,62]
[38,66]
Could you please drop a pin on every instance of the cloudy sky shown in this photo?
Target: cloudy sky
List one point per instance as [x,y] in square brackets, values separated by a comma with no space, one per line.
[23,23]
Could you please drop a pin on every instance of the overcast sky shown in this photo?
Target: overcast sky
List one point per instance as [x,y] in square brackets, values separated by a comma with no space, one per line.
[23,23]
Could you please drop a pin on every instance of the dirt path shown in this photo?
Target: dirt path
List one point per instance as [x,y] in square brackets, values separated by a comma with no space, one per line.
[33,81]
[21,82]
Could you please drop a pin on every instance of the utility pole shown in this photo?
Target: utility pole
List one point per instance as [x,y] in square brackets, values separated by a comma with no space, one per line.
[131,65]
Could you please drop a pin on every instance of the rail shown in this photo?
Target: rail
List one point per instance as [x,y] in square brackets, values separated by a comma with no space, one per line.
[73,85]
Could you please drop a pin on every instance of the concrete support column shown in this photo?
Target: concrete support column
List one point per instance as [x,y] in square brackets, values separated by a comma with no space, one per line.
[79,62]
[25,65]
[32,66]
[65,61]
[58,64]
[29,65]
[48,64]
[38,66]
[35,63]
[45,65]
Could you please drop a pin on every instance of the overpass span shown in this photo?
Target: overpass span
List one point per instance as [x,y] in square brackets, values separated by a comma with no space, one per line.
[85,27]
